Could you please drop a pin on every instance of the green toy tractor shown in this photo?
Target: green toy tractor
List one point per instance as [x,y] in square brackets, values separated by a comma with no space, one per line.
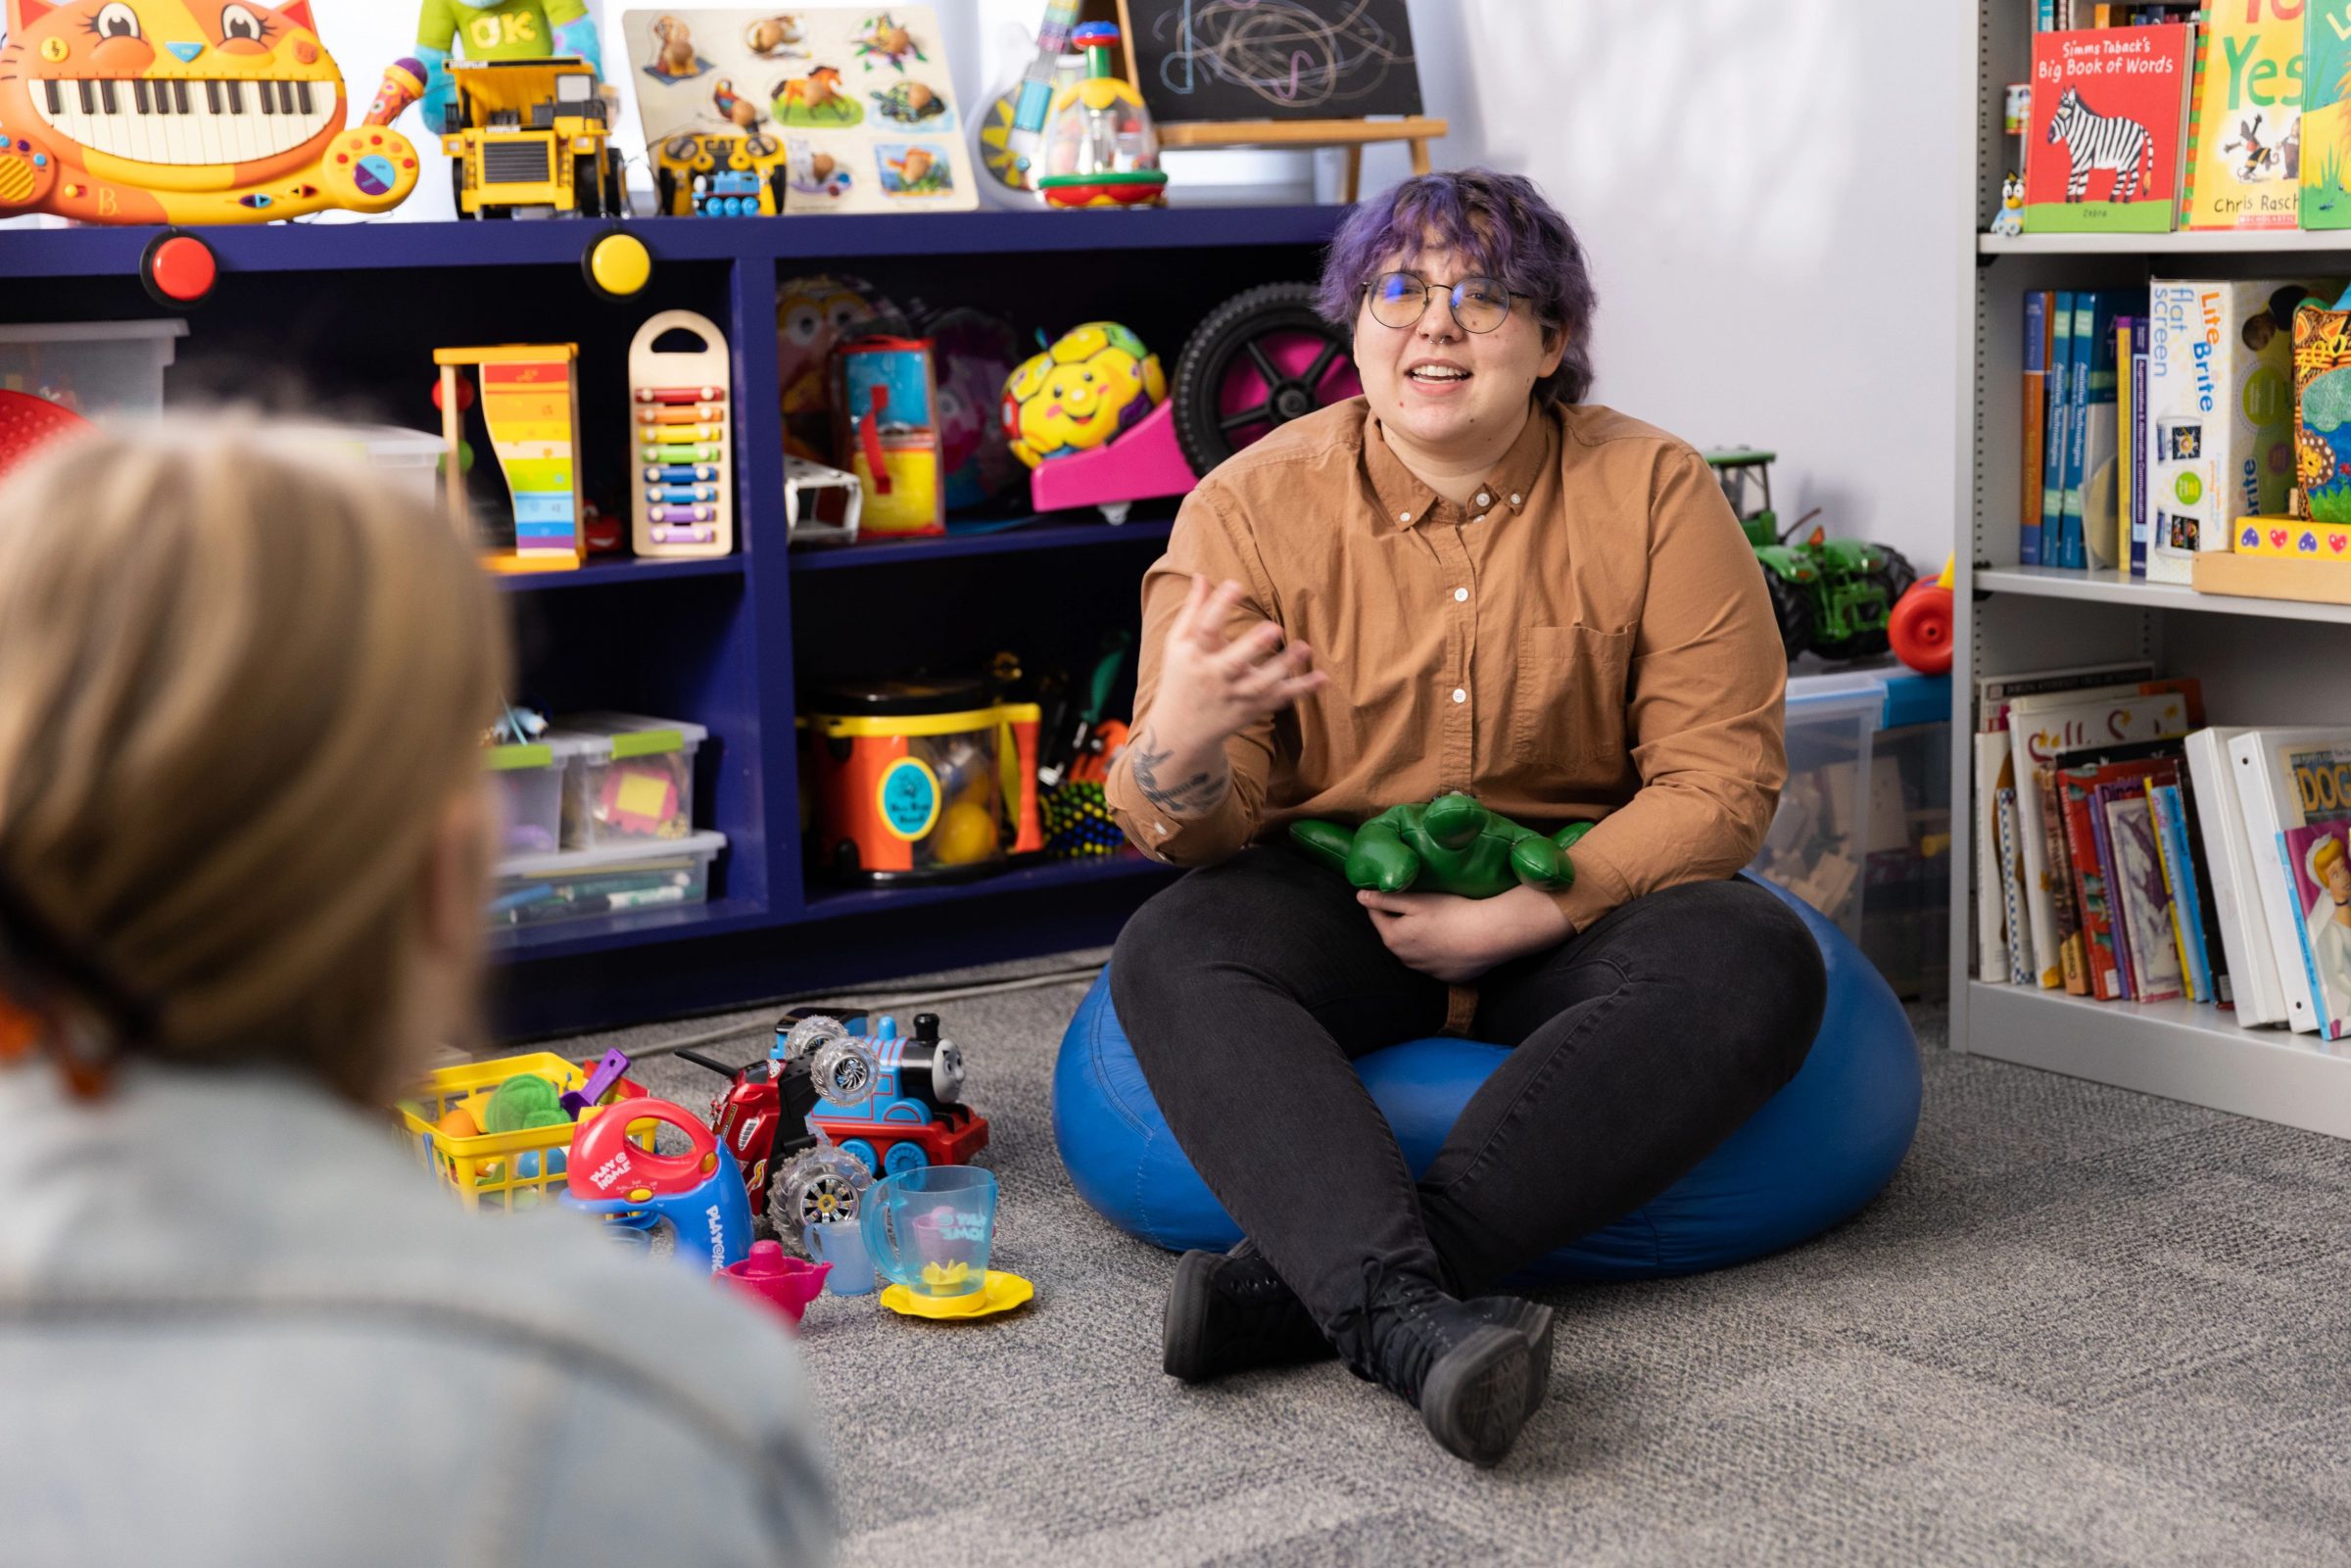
[1831,596]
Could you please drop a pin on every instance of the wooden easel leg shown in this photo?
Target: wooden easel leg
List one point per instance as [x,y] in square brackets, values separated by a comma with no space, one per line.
[1351,184]
[1420,155]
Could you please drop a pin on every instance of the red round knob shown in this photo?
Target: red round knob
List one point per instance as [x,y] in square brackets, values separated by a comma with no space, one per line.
[181,269]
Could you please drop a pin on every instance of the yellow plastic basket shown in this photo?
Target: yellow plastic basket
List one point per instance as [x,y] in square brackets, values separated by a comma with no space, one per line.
[509,1170]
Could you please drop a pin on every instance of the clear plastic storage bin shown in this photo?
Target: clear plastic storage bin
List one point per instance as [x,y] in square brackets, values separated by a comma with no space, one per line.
[96,369]
[1819,844]
[614,879]
[530,786]
[633,781]
[406,461]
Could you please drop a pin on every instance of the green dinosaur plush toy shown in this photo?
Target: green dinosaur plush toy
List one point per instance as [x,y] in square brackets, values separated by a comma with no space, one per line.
[1451,845]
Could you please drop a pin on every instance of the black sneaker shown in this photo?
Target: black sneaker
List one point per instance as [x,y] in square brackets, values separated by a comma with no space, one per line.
[1229,1312]
[1475,1381]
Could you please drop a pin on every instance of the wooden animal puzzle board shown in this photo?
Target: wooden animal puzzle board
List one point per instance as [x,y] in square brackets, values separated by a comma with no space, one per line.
[859,96]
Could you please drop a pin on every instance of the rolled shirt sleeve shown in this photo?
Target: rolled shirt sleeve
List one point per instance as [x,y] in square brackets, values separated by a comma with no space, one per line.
[1207,540]
[1705,699]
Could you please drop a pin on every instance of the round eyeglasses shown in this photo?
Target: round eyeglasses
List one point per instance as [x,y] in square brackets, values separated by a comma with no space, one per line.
[1398,299]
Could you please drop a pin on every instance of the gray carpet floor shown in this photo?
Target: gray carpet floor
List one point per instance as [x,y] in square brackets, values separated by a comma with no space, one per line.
[2081,1326]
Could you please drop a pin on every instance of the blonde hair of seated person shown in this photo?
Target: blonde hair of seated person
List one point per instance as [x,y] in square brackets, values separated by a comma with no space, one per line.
[242,686]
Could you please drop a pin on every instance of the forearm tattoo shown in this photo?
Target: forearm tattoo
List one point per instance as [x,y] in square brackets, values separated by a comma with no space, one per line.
[1195,796]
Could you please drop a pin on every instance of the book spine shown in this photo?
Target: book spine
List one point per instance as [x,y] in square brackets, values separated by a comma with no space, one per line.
[2036,400]
[2227,868]
[2020,972]
[2167,804]
[2137,435]
[2118,927]
[2264,833]
[2193,137]
[2065,895]
[2102,980]
[2085,340]
[2322,1021]
[2060,425]
[2125,334]
[1999,952]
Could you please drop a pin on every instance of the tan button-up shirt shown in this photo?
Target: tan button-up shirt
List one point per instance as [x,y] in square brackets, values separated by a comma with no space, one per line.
[1590,639]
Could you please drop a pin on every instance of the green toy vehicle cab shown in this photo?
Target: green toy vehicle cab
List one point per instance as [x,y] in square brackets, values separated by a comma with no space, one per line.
[1831,596]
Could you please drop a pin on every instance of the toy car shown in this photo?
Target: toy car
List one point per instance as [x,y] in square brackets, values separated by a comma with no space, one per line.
[720,174]
[1831,596]
[530,133]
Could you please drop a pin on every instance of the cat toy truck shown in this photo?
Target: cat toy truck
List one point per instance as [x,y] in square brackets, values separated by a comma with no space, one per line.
[1830,595]
[531,133]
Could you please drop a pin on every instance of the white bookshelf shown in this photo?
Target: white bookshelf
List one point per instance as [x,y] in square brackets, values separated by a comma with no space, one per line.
[2262,661]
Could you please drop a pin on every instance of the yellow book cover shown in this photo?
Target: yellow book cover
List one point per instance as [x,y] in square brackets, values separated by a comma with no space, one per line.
[2248,144]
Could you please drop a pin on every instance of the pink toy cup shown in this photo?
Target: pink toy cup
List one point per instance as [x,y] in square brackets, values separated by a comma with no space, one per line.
[786,1284]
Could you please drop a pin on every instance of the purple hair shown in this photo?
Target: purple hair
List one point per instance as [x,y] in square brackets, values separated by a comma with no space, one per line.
[1500,226]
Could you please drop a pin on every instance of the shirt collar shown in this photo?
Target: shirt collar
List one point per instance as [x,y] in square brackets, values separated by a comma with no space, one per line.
[1406,499]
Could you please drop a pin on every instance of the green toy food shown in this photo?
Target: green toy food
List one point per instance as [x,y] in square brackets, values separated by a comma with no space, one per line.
[1451,845]
[525,1100]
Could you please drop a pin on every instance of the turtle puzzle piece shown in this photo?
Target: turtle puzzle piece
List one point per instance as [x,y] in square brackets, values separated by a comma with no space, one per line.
[1451,845]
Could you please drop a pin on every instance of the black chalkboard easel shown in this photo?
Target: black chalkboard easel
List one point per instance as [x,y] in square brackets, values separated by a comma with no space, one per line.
[1280,73]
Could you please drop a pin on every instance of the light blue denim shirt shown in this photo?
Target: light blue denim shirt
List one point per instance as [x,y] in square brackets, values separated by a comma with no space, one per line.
[239,1326]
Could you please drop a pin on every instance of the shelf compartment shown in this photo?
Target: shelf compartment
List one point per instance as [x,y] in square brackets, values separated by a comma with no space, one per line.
[597,574]
[2179,1050]
[599,932]
[2106,587]
[827,901]
[328,247]
[2205,242]
[1040,535]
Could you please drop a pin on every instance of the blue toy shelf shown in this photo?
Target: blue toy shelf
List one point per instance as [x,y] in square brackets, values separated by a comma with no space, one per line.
[341,318]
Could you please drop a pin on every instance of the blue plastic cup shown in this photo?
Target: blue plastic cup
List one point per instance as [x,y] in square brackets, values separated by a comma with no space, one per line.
[929,1229]
[842,1245]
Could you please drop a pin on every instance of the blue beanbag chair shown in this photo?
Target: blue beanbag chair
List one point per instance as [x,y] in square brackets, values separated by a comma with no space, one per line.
[1812,1156]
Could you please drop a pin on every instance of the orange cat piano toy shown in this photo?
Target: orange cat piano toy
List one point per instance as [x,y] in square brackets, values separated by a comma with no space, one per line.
[183,112]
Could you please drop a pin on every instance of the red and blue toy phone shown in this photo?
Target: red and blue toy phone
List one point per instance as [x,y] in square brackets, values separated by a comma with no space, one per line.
[700,1193]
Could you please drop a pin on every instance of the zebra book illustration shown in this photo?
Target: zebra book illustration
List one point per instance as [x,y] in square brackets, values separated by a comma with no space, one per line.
[2094,141]
[2109,110]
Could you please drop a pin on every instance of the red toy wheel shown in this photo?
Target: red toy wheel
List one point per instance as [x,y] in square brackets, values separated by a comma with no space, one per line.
[1920,629]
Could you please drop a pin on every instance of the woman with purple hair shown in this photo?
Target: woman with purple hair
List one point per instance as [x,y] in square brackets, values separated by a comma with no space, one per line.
[1468,578]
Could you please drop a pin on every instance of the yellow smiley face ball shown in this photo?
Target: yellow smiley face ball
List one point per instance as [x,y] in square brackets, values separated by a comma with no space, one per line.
[1091,386]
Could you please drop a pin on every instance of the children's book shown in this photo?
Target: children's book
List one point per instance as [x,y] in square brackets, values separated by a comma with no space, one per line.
[2287,780]
[2089,454]
[2037,303]
[2325,129]
[2137,441]
[2142,898]
[2219,410]
[2114,546]
[2320,860]
[2166,808]
[2090,850]
[2039,727]
[2104,148]
[2060,425]
[2002,945]
[2012,904]
[1993,693]
[2248,122]
[2228,874]
[2322,416]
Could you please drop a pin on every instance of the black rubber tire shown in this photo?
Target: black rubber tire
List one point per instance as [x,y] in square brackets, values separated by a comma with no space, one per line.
[616,184]
[1893,578]
[666,192]
[777,185]
[587,185]
[457,188]
[1223,336]
[1790,608]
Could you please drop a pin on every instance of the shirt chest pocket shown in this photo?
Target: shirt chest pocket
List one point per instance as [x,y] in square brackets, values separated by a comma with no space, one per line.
[1568,695]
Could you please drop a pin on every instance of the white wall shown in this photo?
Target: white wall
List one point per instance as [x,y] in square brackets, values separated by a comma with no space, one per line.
[1771,195]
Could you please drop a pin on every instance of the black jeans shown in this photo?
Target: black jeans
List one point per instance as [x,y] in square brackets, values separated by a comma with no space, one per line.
[1639,1044]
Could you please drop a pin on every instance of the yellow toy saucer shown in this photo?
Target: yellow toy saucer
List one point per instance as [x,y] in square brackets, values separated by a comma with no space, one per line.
[1002,1294]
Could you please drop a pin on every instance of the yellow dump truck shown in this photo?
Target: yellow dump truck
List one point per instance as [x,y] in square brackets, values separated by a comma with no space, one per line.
[531,133]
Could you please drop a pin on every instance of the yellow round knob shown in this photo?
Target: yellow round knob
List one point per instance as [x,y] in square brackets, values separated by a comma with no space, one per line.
[639,1195]
[619,265]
